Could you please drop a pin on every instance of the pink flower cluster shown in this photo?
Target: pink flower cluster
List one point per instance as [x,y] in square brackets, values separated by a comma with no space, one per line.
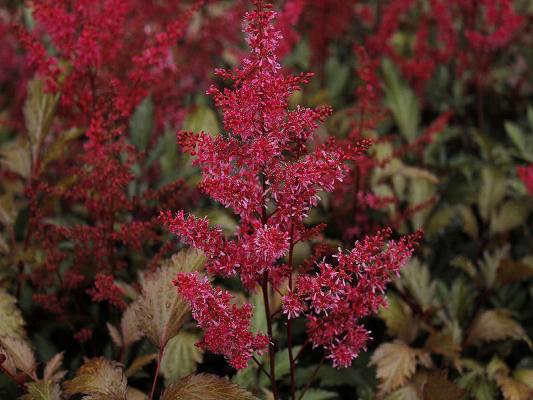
[344,290]
[225,325]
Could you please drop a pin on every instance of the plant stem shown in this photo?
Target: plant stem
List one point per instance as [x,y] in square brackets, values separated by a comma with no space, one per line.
[271,351]
[310,381]
[154,383]
[261,367]
[289,322]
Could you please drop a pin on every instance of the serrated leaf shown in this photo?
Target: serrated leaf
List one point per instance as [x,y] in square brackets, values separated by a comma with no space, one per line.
[16,157]
[409,392]
[513,389]
[188,260]
[39,111]
[205,387]
[129,328]
[42,390]
[468,220]
[524,375]
[478,386]
[58,147]
[402,101]
[443,343]
[510,215]
[395,363]
[115,335]
[490,263]
[511,271]
[160,310]
[98,379]
[8,211]
[491,192]
[139,363]
[11,322]
[494,325]
[52,371]
[141,123]
[416,279]
[399,319]
[19,352]
[516,134]
[438,387]
[180,357]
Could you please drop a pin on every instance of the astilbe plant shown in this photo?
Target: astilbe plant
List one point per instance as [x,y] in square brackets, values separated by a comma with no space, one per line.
[269,168]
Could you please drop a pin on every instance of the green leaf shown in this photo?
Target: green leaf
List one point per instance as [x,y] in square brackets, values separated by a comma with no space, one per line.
[39,111]
[492,191]
[399,319]
[478,386]
[516,134]
[160,310]
[141,123]
[402,101]
[409,392]
[495,325]
[259,322]
[415,278]
[283,366]
[202,119]
[180,357]
[395,363]
[337,75]
[11,322]
[510,215]
[42,390]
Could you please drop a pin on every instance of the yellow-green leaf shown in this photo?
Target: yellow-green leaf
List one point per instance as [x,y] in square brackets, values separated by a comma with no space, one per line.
[160,310]
[395,363]
[52,371]
[525,376]
[11,322]
[416,279]
[202,118]
[491,192]
[494,325]
[39,111]
[42,390]
[399,319]
[16,157]
[98,379]
[205,387]
[443,343]
[180,357]
[8,211]
[510,215]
